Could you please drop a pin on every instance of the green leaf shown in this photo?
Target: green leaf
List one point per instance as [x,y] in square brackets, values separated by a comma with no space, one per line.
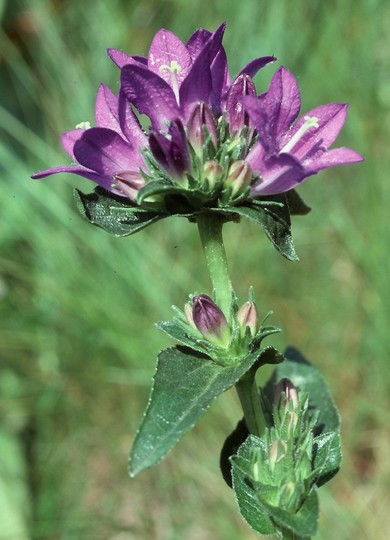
[156,187]
[184,386]
[114,215]
[296,204]
[275,221]
[248,502]
[328,456]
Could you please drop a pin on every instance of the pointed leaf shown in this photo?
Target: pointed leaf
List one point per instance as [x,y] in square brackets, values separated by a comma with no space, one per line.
[275,221]
[185,384]
[108,212]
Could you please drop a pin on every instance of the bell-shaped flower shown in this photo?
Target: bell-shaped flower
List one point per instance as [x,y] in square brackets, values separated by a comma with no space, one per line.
[108,154]
[288,151]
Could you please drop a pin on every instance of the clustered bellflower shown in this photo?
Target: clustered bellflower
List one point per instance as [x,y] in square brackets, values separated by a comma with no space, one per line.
[212,139]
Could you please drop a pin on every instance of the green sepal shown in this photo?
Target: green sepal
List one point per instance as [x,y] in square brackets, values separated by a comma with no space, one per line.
[183,335]
[116,215]
[185,384]
[252,499]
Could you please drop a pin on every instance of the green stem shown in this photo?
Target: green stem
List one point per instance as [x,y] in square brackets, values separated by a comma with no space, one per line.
[210,231]
[250,402]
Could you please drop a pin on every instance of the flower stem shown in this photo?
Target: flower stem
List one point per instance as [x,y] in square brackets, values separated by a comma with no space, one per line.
[250,402]
[210,231]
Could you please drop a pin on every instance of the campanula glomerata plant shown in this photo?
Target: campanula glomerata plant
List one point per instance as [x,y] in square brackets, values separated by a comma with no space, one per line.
[216,149]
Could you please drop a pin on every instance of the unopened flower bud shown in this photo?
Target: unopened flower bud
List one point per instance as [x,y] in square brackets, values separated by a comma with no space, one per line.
[277,452]
[210,320]
[239,176]
[235,112]
[290,393]
[201,117]
[212,172]
[129,182]
[247,317]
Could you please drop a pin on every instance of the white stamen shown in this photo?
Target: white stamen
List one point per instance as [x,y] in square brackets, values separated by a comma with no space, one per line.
[310,121]
[174,68]
[83,125]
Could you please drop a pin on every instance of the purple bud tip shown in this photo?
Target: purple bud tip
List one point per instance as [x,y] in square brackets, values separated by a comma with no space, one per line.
[247,317]
[201,117]
[290,392]
[129,182]
[210,320]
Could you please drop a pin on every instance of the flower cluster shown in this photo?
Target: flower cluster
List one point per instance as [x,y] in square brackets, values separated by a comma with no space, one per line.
[226,340]
[210,136]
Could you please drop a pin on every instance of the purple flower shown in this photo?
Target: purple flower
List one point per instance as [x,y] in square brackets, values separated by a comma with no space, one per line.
[210,136]
[176,76]
[108,154]
[288,151]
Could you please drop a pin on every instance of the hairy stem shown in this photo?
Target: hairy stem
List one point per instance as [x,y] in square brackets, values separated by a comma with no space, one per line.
[210,231]
[250,402]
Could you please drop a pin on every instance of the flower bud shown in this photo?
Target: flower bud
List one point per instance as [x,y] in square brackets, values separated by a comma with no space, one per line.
[247,317]
[200,117]
[212,172]
[171,151]
[235,112]
[290,393]
[188,314]
[129,182]
[210,321]
[239,176]
[277,453]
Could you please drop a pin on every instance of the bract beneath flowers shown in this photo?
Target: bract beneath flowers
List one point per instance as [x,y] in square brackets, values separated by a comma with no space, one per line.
[212,144]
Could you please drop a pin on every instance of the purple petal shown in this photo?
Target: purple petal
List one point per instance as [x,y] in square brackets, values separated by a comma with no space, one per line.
[122,59]
[179,150]
[69,139]
[105,152]
[197,41]
[104,181]
[278,175]
[282,102]
[331,158]
[198,84]
[106,109]
[330,119]
[130,125]
[165,49]
[150,94]
[255,65]
[219,78]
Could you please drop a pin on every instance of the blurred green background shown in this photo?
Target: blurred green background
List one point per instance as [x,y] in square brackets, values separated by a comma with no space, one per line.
[77,341]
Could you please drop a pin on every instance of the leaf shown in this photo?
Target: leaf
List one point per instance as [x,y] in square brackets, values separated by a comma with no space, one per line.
[157,188]
[184,386]
[115,216]
[248,502]
[328,457]
[275,221]
[296,204]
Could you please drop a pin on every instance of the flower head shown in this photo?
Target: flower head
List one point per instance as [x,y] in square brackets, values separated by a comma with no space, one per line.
[213,144]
